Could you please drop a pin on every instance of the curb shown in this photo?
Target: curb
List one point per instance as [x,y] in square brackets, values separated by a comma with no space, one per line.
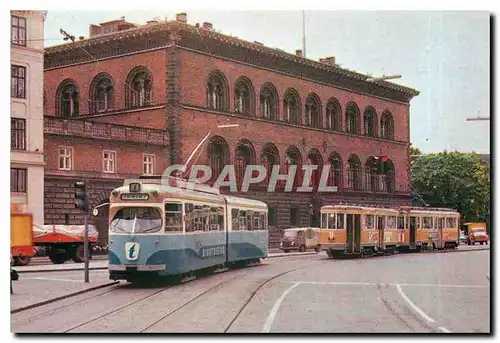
[62,297]
[58,270]
[458,250]
[293,254]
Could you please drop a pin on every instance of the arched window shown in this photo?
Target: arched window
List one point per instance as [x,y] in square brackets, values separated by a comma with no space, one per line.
[314,158]
[101,94]
[333,115]
[138,88]
[268,102]
[67,99]
[217,91]
[370,119]
[270,158]
[313,111]
[335,174]
[352,119]
[371,177]
[244,97]
[353,173]
[293,157]
[387,126]
[291,107]
[245,155]
[218,155]
[388,177]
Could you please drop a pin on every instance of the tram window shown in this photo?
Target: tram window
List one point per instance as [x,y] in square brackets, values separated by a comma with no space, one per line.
[401,223]
[249,220]
[380,222]
[173,217]
[235,220]
[261,221]
[391,222]
[136,220]
[451,223]
[216,218]
[243,220]
[427,222]
[369,221]
[419,219]
[324,220]
[340,221]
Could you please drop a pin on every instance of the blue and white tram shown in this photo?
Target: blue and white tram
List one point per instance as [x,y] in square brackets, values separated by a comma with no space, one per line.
[156,230]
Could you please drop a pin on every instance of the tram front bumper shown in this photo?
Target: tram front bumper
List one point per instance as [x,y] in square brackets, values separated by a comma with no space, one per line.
[139,268]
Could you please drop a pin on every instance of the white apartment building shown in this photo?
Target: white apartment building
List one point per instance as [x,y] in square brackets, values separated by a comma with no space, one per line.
[26,94]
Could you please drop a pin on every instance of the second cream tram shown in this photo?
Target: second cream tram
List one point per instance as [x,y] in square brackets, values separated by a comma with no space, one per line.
[357,230]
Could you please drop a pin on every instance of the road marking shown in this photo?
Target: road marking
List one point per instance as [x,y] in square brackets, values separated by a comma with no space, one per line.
[51,279]
[274,310]
[333,283]
[440,285]
[413,306]
[385,284]
[444,329]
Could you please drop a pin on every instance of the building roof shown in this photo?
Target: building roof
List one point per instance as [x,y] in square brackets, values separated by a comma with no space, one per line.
[160,34]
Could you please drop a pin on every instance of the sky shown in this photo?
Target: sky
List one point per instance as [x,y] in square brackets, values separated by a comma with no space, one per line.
[444,55]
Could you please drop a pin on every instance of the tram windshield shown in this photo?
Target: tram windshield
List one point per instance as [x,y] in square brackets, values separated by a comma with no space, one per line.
[136,220]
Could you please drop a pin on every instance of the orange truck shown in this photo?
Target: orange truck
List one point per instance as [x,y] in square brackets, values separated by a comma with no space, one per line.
[21,237]
[476,232]
[62,242]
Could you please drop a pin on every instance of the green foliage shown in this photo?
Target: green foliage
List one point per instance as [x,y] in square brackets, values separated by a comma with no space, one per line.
[415,151]
[454,180]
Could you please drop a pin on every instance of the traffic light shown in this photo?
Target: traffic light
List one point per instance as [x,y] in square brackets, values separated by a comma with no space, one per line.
[81,196]
[379,163]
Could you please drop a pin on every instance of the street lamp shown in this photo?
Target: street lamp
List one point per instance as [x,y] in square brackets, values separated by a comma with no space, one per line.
[477,118]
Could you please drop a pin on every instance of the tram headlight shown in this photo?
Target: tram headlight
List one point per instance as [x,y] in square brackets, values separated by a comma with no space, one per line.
[293,243]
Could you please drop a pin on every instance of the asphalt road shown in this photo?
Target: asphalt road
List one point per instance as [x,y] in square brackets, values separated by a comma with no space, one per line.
[403,293]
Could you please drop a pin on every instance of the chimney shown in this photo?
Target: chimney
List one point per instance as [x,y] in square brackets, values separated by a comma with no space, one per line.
[207,26]
[328,60]
[182,17]
[299,53]
[94,30]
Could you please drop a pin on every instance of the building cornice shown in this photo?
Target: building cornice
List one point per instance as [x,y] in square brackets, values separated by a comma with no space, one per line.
[188,36]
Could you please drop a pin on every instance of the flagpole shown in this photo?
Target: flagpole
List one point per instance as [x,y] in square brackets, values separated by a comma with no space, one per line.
[304,32]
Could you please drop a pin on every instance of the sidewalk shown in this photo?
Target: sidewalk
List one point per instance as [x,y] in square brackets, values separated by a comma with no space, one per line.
[102,263]
[32,292]
[96,264]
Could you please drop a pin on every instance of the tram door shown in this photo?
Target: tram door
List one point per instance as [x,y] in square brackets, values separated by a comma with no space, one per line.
[353,233]
[380,228]
[413,231]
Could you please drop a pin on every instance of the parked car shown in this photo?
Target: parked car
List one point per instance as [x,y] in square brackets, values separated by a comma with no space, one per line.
[300,239]
[463,237]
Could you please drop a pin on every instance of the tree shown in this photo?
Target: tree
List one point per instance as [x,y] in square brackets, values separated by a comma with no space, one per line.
[455,180]
[415,151]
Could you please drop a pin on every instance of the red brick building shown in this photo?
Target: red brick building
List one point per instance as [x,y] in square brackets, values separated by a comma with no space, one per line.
[149,94]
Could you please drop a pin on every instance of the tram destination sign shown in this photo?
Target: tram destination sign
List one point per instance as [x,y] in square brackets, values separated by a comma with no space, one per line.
[134,196]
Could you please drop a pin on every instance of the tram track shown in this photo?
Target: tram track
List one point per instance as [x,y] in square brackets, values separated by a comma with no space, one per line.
[160,292]
[129,298]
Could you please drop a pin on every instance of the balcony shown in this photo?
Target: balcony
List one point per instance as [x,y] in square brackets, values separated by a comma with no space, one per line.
[103,131]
